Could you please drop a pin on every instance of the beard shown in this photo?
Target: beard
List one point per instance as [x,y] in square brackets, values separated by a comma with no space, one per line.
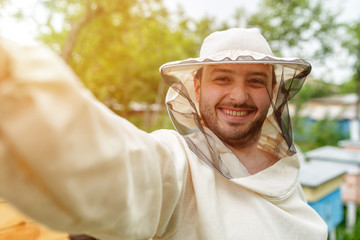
[237,135]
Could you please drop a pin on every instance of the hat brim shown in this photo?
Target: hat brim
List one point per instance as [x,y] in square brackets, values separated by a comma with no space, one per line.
[301,67]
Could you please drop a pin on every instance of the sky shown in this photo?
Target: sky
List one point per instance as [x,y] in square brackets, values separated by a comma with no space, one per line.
[19,32]
[24,32]
[220,9]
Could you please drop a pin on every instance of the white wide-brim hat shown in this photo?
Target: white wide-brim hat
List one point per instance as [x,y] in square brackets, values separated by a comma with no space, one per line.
[236,45]
[232,46]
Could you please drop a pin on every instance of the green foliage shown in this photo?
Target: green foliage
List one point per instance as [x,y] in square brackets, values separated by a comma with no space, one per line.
[116,48]
[290,25]
[159,121]
[319,133]
[353,46]
[352,43]
[343,234]
[348,86]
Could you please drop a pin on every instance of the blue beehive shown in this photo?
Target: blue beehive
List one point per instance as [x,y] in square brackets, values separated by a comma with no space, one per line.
[330,208]
[321,183]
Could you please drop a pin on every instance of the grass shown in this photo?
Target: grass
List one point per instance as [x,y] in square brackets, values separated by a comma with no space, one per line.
[341,232]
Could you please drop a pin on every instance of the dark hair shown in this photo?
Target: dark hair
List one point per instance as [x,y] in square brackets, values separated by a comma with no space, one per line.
[273,75]
[198,73]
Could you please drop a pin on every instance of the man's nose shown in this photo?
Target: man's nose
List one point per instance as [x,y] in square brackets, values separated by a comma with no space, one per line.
[239,93]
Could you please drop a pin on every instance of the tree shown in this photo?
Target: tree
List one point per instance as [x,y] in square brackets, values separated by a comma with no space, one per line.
[291,25]
[353,46]
[117,47]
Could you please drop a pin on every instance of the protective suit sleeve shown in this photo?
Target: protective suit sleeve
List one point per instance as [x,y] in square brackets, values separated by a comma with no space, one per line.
[71,163]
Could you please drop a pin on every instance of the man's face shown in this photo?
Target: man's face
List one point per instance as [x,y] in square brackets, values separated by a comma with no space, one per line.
[234,100]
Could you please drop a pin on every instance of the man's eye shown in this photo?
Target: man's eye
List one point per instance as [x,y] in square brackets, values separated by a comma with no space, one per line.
[257,82]
[222,79]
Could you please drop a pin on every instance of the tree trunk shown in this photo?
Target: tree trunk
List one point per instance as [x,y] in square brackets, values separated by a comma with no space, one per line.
[75,30]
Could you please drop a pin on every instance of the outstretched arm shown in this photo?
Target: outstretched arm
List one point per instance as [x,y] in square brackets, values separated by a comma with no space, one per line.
[69,162]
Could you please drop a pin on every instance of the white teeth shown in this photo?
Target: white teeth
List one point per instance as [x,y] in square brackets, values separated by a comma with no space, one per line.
[235,113]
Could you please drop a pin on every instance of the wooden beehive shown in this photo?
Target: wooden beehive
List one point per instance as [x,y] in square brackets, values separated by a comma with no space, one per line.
[321,183]
[345,159]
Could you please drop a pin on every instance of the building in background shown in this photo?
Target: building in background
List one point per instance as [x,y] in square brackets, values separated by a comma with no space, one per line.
[342,108]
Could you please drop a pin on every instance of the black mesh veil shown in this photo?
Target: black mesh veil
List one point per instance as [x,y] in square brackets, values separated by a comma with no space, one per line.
[276,135]
[287,89]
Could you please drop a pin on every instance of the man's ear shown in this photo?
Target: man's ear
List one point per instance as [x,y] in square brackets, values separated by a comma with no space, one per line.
[197,88]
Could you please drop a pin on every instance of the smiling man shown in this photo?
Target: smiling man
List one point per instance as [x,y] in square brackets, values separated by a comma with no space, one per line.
[229,172]
[234,102]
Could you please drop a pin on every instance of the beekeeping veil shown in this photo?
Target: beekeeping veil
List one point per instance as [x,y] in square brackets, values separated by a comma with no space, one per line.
[233,46]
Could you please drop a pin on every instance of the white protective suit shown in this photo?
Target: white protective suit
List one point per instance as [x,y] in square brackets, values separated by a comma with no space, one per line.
[72,164]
